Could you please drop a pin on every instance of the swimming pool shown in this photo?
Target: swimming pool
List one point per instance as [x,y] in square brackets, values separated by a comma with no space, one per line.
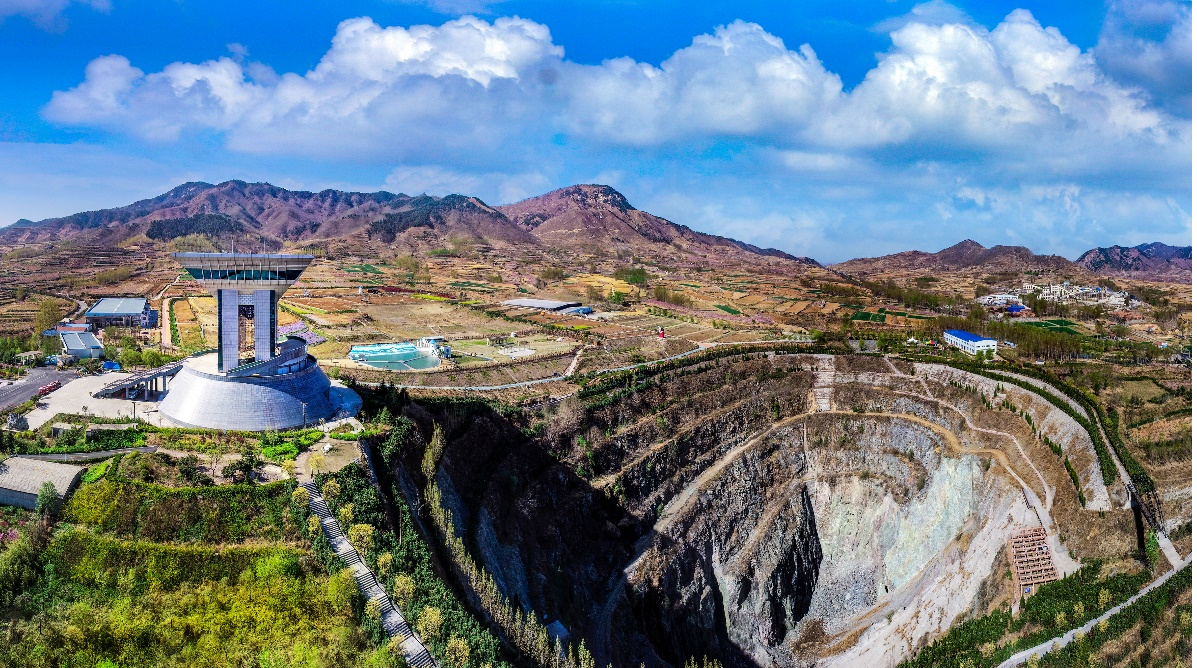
[395,356]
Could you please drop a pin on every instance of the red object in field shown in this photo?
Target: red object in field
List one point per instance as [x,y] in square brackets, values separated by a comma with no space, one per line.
[46,389]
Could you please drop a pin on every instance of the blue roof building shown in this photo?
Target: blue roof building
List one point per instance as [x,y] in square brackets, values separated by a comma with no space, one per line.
[81,344]
[122,312]
[969,342]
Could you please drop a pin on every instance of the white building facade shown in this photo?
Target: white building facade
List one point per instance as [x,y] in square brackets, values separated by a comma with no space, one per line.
[969,342]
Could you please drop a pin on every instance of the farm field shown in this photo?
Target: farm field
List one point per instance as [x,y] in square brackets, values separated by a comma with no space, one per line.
[187,325]
[1057,325]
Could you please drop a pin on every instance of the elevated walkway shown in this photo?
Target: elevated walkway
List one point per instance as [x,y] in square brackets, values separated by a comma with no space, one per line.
[393,623]
[141,381]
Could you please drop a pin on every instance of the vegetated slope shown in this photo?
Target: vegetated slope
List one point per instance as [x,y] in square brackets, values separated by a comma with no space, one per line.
[592,217]
[1153,260]
[967,254]
[452,215]
[137,574]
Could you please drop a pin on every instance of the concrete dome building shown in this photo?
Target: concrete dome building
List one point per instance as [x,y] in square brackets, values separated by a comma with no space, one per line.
[280,386]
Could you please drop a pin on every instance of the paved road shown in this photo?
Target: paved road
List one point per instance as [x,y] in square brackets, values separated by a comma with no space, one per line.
[1044,648]
[23,390]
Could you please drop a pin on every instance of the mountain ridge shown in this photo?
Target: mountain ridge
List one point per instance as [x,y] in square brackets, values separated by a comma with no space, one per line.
[583,217]
[1147,259]
[967,254]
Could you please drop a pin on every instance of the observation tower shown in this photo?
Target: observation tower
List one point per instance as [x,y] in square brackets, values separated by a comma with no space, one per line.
[274,384]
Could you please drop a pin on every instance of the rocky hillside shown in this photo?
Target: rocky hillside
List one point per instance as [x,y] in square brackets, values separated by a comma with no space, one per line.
[966,255]
[785,510]
[1154,260]
[585,218]
[596,217]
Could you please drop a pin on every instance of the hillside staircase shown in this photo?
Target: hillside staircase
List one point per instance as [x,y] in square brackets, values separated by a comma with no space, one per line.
[393,623]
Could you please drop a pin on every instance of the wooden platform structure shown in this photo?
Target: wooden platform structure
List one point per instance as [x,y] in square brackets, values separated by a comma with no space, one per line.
[1032,559]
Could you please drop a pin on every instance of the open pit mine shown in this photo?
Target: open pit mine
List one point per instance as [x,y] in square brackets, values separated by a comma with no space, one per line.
[773,509]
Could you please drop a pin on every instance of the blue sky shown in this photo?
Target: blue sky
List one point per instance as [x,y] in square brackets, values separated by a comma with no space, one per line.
[827,129]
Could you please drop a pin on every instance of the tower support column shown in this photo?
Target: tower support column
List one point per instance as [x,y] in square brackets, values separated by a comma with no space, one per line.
[228,349]
[265,324]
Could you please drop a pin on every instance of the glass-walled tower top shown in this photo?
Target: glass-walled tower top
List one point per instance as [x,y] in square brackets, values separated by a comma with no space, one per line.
[244,283]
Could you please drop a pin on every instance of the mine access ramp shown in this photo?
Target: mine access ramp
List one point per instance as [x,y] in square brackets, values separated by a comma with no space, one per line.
[138,383]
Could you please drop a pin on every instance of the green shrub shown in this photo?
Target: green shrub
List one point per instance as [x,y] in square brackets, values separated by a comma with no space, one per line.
[224,514]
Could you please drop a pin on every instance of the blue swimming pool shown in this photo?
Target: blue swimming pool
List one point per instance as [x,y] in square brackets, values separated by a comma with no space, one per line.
[395,356]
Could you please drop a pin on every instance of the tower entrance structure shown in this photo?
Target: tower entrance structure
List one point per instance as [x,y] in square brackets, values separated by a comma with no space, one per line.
[244,286]
[278,386]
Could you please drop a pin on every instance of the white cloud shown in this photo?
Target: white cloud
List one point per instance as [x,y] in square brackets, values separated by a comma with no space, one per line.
[740,81]
[933,13]
[957,124]
[470,86]
[1149,44]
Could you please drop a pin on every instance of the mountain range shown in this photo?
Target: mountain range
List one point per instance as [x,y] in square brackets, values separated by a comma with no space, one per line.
[967,254]
[1154,261]
[594,219]
[585,219]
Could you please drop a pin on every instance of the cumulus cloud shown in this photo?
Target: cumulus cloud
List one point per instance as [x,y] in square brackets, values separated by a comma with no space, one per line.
[1149,44]
[46,14]
[739,81]
[955,118]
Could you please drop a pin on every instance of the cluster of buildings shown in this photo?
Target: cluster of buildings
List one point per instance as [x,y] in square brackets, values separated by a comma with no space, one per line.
[1007,305]
[79,339]
[1083,294]
[1062,292]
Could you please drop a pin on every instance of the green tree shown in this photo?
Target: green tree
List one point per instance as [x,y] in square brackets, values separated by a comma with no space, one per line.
[300,496]
[48,315]
[1151,548]
[404,589]
[130,357]
[429,624]
[152,358]
[457,652]
[47,499]
[361,536]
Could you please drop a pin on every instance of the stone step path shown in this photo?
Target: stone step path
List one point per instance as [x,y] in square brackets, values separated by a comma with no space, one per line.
[392,621]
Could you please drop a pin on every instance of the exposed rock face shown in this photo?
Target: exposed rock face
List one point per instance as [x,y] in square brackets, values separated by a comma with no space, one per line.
[740,566]
[714,512]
